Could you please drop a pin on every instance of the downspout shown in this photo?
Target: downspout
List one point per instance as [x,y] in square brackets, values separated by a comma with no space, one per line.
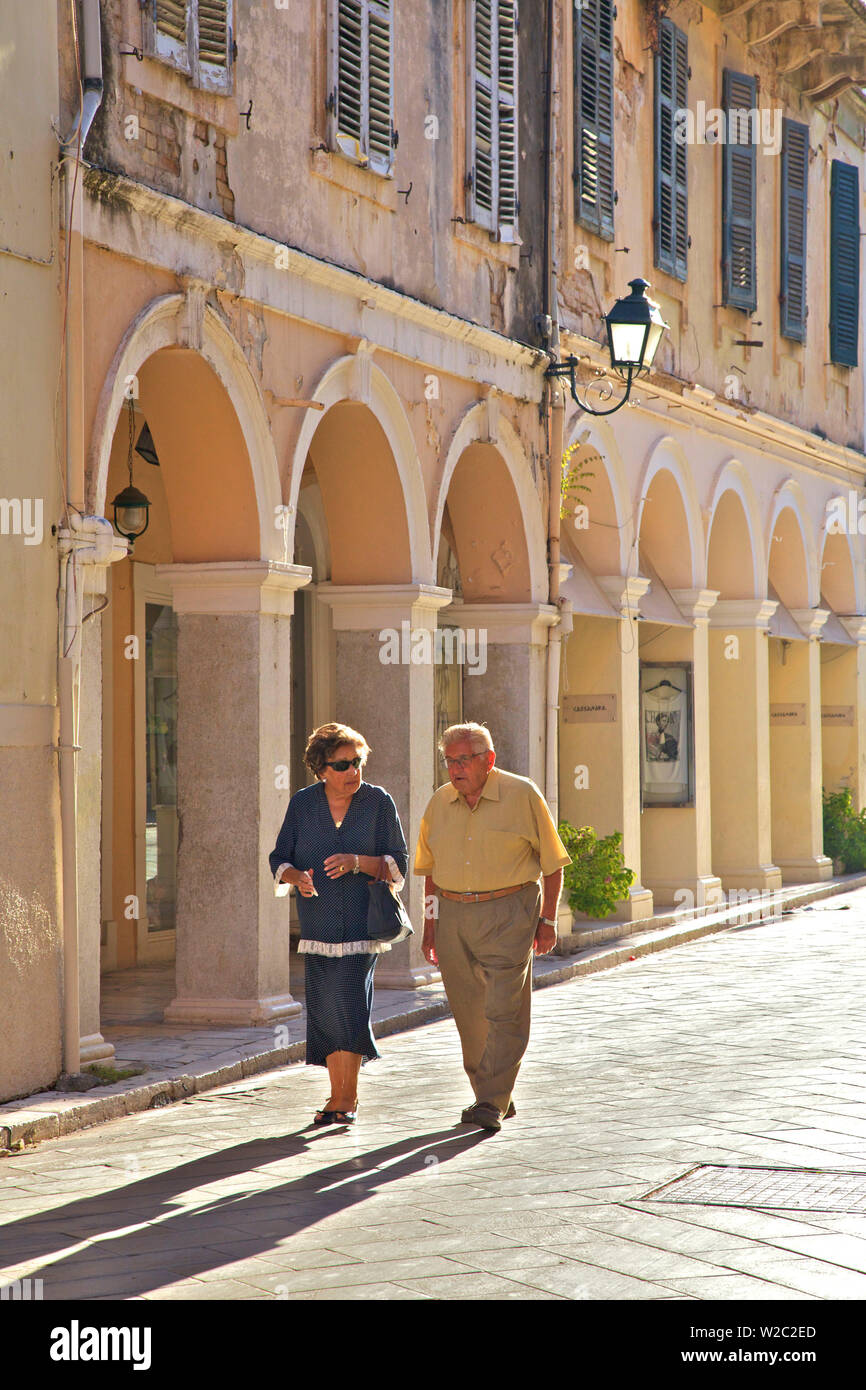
[83,539]
[554,414]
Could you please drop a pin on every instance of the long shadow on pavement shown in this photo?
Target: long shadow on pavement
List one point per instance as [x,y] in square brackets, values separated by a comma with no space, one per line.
[195,1233]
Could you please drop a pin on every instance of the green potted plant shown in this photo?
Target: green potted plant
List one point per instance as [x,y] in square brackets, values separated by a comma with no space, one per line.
[597,878]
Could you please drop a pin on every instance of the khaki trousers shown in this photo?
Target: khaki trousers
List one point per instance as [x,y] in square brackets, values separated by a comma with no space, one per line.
[485,956]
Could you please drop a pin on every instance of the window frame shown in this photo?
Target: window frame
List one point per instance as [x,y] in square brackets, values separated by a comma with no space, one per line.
[184,56]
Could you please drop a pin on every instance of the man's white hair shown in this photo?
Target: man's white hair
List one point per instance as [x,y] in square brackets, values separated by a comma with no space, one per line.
[477,734]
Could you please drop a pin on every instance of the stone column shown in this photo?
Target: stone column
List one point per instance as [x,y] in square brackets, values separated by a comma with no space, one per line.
[603,659]
[385,651]
[233,757]
[843,698]
[677,845]
[506,688]
[93,1047]
[795,683]
[740,744]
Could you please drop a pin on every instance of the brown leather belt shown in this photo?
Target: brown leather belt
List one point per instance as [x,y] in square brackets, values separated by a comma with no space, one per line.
[483,897]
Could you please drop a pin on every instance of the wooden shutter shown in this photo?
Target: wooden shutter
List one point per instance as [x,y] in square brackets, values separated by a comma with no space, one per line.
[671,220]
[739,278]
[213,32]
[364,86]
[380,127]
[170,18]
[844,263]
[795,177]
[593,115]
[507,115]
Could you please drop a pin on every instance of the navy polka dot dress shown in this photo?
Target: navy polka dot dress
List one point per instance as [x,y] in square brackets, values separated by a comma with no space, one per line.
[339,959]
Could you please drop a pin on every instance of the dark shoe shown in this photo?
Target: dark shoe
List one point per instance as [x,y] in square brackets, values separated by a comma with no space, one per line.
[344,1117]
[467,1115]
[324,1117]
[487,1116]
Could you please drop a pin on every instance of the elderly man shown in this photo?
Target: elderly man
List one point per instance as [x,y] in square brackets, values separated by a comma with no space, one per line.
[484,841]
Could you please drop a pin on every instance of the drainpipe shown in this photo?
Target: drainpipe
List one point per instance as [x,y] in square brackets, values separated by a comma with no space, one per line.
[83,540]
[554,416]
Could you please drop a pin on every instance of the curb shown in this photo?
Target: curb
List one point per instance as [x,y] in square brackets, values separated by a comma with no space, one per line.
[24,1128]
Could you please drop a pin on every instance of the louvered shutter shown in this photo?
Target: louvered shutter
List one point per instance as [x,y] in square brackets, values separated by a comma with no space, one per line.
[492,124]
[795,177]
[170,30]
[213,32]
[844,263]
[739,278]
[363,82]
[507,108]
[593,115]
[380,127]
[671,219]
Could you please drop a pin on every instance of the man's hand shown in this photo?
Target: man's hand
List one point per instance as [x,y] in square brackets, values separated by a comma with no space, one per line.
[545,939]
[428,943]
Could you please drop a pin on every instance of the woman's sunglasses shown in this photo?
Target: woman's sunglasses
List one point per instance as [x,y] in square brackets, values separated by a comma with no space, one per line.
[343,764]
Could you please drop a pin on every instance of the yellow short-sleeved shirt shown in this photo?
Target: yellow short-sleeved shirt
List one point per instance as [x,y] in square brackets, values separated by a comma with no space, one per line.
[508,838]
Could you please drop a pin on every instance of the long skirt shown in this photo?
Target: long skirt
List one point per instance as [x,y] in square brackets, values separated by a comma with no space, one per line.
[339,1005]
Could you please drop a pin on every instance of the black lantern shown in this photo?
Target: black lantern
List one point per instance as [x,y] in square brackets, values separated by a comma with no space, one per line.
[131,507]
[634,331]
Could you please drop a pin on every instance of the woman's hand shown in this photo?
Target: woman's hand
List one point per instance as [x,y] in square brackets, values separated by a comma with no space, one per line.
[302,879]
[336,865]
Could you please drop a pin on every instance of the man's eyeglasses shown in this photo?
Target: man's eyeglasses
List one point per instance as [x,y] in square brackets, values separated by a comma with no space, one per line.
[343,764]
[463,762]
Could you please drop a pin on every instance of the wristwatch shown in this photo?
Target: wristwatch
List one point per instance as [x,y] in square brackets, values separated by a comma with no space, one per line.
[548,921]
[357,868]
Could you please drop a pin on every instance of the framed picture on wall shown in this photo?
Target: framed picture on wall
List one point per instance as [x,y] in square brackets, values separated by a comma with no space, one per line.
[666,734]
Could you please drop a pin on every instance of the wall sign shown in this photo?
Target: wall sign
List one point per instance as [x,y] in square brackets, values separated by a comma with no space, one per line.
[788,714]
[589,709]
[837,714]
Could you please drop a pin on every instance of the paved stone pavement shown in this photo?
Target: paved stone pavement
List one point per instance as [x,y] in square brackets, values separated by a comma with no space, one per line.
[743,1048]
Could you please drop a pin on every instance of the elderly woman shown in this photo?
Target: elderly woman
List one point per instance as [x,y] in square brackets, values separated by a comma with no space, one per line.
[336,836]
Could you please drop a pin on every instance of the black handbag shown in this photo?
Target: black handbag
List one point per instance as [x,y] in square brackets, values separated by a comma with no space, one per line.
[387,918]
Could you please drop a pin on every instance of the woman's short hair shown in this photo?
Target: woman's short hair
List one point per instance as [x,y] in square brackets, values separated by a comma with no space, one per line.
[324,742]
[477,734]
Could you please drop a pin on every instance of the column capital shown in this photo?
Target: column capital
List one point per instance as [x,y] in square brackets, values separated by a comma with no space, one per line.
[624,591]
[507,623]
[695,603]
[810,620]
[369,607]
[226,587]
[743,612]
[854,624]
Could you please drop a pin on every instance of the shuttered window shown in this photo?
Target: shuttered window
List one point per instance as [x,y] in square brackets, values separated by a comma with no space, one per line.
[196,36]
[795,180]
[362,92]
[739,278]
[593,115]
[492,124]
[844,263]
[671,219]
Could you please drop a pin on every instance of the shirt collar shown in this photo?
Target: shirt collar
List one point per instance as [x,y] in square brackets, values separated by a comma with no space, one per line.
[490,790]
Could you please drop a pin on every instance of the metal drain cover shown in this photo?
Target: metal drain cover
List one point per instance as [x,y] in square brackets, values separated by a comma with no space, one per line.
[800,1189]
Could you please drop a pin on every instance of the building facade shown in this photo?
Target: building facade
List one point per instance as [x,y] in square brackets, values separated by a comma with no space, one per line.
[296,272]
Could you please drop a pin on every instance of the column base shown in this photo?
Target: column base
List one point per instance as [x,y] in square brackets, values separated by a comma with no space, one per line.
[765,878]
[704,891]
[811,870]
[247,1013]
[94,1048]
[408,977]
